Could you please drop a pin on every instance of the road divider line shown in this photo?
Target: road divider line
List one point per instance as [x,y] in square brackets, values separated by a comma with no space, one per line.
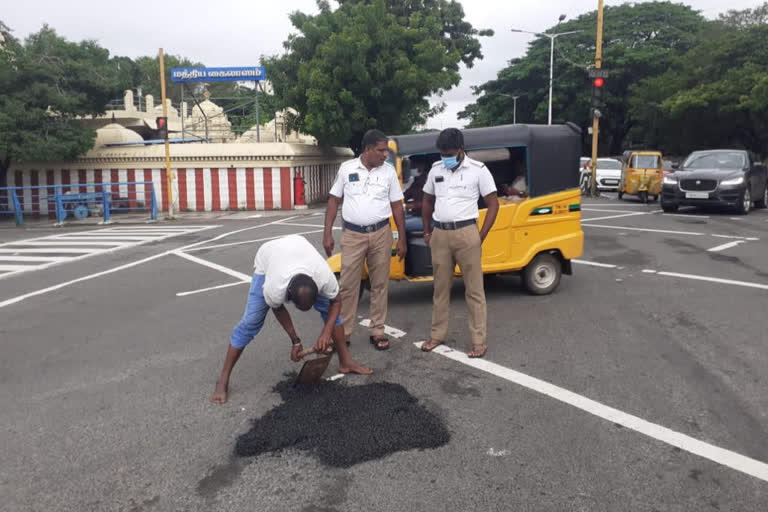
[193,292]
[609,211]
[745,284]
[219,246]
[617,216]
[708,451]
[389,330]
[335,228]
[214,266]
[594,264]
[726,246]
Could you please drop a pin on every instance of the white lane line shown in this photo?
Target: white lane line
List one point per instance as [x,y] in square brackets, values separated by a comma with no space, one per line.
[627,228]
[52,250]
[108,238]
[594,264]
[689,215]
[616,216]
[58,243]
[14,268]
[607,211]
[39,259]
[221,286]
[285,219]
[649,271]
[20,298]
[250,241]
[613,205]
[726,246]
[749,239]
[214,266]
[388,330]
[715,280]
[335,228]
[708,451]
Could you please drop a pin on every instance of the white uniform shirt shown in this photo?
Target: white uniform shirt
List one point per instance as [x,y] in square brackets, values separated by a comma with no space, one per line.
[456,192]
[367,194]
[282,259]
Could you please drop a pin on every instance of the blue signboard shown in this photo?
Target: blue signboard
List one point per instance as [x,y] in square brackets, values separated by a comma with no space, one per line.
[246,74]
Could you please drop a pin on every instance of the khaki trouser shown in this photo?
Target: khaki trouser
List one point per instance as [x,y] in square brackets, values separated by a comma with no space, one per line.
[356,248]
[462,247]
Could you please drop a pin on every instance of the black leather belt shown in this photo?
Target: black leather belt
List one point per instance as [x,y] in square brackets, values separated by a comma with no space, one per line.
[366,229]
[454,225]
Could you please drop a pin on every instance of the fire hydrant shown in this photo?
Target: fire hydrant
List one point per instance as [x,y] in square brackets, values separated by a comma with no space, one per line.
[299,202]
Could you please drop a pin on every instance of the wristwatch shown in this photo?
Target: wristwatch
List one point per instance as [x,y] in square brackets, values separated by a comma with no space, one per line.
[296,342]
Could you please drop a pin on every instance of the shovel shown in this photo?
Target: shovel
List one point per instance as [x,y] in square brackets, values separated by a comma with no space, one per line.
[312,370]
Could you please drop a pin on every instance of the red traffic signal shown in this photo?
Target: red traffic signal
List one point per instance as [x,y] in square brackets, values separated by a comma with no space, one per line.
[598,82]
[162,127]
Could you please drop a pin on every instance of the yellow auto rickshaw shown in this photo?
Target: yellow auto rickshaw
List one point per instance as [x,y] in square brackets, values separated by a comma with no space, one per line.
[641,175]
[536,235]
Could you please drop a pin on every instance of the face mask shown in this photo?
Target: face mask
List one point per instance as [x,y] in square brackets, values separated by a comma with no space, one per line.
[450,161]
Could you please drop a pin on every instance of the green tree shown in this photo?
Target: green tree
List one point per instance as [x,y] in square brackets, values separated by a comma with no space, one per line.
[746,18]
[639,41]
[716,95]
[371,64]
[47,82]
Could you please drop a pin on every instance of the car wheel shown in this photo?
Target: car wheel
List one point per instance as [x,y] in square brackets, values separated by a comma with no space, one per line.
[745,203]
[668,208]
[542,275]
[763,203]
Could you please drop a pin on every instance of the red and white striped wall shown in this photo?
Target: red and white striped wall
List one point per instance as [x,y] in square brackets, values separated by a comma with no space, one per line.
[197,189]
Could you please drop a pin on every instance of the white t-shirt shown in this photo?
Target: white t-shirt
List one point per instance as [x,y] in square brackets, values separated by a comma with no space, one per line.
[282,259]
[456,192]
[367,194]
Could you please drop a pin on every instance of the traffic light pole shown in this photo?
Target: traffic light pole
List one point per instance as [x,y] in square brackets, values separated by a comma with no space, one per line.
[168,172]
[596,119]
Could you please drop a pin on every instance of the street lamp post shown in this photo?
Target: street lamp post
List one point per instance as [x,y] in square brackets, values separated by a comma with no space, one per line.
[552,38]
[514,107]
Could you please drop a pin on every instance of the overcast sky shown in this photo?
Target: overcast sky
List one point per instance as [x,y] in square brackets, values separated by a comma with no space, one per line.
[237,32]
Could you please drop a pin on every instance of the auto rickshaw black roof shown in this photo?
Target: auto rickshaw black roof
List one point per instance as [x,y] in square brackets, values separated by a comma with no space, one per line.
[553,150]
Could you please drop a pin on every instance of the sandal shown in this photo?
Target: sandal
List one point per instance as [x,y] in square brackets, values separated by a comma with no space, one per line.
[477,351]
[380,342]
[430,345]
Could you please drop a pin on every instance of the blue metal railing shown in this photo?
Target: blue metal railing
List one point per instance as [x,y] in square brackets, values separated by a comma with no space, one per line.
[103,201]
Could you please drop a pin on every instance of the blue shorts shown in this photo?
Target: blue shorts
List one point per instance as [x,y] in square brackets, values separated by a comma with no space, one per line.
[256,310]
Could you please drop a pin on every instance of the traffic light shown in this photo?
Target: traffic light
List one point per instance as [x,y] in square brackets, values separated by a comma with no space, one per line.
[597,96]
[162,127]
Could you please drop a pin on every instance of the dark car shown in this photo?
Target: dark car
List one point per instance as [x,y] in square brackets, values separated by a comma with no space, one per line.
[723,177]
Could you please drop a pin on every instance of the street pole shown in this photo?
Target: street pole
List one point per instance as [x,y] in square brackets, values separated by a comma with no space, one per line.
[552,38]
[595,119]
[551,73]
[514,110]
[168,172]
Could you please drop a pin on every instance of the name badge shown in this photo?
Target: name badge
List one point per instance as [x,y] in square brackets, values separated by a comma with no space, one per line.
[354,177]
[439,179]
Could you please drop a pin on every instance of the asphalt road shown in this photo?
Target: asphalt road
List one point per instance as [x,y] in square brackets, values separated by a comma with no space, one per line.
[638,386]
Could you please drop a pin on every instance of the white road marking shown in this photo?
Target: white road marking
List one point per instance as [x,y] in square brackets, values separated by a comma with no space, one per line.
[214,266]
[193,292]
[251,241]
[715,280]
[649,271]
[335,228]
[594,264]
[666,231]
[689,215]
[16,268]
[336,377]
[77,245]
[388,330]
[43,291]
[606,211]
[616,216]
[708,451]
[726,246]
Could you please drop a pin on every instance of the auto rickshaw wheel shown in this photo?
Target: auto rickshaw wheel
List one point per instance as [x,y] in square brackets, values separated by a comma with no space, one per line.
[621,194]
[542,275]
[643,197]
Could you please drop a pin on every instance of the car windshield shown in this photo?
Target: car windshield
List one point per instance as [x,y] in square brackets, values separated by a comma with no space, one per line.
[718,160]
[645,162]
[609,164]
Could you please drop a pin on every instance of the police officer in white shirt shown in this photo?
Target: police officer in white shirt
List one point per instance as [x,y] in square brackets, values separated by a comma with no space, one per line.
[371,192]
[286,270]
[452,190]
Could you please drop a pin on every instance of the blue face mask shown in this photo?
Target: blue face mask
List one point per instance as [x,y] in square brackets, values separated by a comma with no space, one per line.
[450,161]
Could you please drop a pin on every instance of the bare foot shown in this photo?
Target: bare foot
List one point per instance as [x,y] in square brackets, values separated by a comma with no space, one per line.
[354,367]
[220,394]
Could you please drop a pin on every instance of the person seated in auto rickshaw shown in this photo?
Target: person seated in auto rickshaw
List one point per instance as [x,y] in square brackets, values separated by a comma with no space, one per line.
[414,194]
[518,189]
